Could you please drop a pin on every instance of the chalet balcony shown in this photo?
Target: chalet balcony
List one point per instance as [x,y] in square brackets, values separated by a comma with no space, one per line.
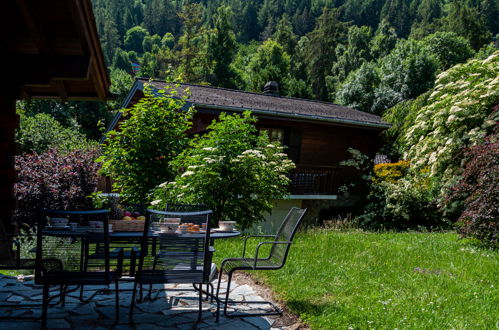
[313,180]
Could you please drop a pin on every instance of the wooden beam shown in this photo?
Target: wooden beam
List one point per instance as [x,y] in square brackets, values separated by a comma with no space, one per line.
[34,28]
[38,69]
[61,89]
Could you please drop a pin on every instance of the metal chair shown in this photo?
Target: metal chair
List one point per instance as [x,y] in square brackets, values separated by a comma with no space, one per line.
[180,258]
[280,244]
[60,257]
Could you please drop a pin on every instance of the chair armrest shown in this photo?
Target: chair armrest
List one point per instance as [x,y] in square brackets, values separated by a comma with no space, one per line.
[263,243]
[251,236]
[119,265]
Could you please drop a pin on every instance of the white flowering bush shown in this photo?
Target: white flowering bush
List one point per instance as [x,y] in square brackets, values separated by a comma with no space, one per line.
[450,117]
[231,169]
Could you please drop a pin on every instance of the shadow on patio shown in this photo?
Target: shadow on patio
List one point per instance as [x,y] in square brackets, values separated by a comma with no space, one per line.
[172,309]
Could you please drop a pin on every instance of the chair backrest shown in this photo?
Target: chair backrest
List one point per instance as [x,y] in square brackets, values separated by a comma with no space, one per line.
[181,257]
[286,233]
[66,249]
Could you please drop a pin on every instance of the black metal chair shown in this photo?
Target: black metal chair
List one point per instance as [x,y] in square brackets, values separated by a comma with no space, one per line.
[280,244]
[61,259]
[180,258]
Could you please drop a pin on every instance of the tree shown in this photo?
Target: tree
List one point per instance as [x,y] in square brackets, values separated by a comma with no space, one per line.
[222,44]
[284,35]
[134,38]
[449,48]
[358,90]
[270,63]
[150,42]
[396,12]
[490,11]
[231,169]
[137,156]
[427,15]
[110,39]
[350,57]
[160,17]
[328,33]
[190,52]
[467,22]
[121,83]
[121,60]
[42,132]
[384,40]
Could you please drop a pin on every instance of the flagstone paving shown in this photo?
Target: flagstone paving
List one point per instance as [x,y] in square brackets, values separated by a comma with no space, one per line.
[173,308]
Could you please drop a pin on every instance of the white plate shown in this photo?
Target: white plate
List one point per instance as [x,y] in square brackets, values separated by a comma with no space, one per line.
[57,228]
[220,230]
[97,231]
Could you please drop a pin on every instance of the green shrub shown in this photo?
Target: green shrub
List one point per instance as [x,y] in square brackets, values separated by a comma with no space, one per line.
[137,156]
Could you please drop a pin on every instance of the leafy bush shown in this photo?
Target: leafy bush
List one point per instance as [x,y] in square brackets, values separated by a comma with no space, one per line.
[231,170]
[449,48]
[138,155]
[54,180]
[478,192]
[43,132]
[390,172]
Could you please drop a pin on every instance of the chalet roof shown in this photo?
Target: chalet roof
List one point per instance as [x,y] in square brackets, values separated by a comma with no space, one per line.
[51,50]
[203,96]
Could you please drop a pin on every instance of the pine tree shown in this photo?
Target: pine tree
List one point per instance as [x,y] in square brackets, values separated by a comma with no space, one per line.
[490,11]
[467,22]
[328,33]
[384,40]
[397,13]
[222,45]
[284,35]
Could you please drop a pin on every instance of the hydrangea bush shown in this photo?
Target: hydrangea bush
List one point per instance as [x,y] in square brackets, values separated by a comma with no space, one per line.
[231,169]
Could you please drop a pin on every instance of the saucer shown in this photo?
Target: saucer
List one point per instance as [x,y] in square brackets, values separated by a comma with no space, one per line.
[220,230]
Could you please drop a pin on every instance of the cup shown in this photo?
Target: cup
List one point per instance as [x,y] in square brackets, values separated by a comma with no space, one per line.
[73,225]
[227,225]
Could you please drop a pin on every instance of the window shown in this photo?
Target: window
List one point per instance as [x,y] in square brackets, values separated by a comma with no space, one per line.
[274,134]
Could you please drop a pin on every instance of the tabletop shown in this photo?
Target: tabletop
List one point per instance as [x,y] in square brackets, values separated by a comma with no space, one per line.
[133,235]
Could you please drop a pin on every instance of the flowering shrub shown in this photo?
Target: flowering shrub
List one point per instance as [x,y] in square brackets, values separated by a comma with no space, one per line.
[478,191]
[56,181]
[454,115]
[231,170]
[138,156]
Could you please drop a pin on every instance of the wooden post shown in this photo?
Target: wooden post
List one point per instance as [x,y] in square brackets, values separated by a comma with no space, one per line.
[9,121]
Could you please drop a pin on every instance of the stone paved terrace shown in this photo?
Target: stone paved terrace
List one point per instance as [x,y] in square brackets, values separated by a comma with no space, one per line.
[170,310]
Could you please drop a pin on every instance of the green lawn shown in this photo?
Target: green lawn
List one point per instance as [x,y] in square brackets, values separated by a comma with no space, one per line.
[385,280]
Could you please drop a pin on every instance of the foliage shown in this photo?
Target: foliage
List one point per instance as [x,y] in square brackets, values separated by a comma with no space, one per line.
[449,48]
[477,190]
[42,132]
[361,280]
[270,63]
[231,170]
[137,156]
[54,180]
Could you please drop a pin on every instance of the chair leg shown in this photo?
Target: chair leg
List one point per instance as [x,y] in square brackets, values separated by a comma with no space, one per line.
[200,312]
[45,306]
[117,290]
[226,302]
[132,304]
[63,295]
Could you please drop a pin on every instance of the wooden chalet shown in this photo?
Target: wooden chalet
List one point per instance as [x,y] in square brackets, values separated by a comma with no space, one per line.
[50,50]
[317,134]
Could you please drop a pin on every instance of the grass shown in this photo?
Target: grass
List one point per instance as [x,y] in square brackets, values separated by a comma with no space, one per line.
[385,280]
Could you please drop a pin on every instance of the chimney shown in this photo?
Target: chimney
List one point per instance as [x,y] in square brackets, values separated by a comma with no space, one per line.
[271,88]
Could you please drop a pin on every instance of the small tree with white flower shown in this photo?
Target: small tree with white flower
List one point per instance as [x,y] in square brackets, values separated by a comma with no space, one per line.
[232,170]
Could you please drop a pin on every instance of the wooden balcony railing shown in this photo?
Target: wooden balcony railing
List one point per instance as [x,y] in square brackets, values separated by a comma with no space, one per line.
[310,180]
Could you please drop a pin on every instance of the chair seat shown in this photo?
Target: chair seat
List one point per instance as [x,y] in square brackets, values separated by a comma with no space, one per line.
[231,264]
[77,278]
[114,254]
[181,273]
